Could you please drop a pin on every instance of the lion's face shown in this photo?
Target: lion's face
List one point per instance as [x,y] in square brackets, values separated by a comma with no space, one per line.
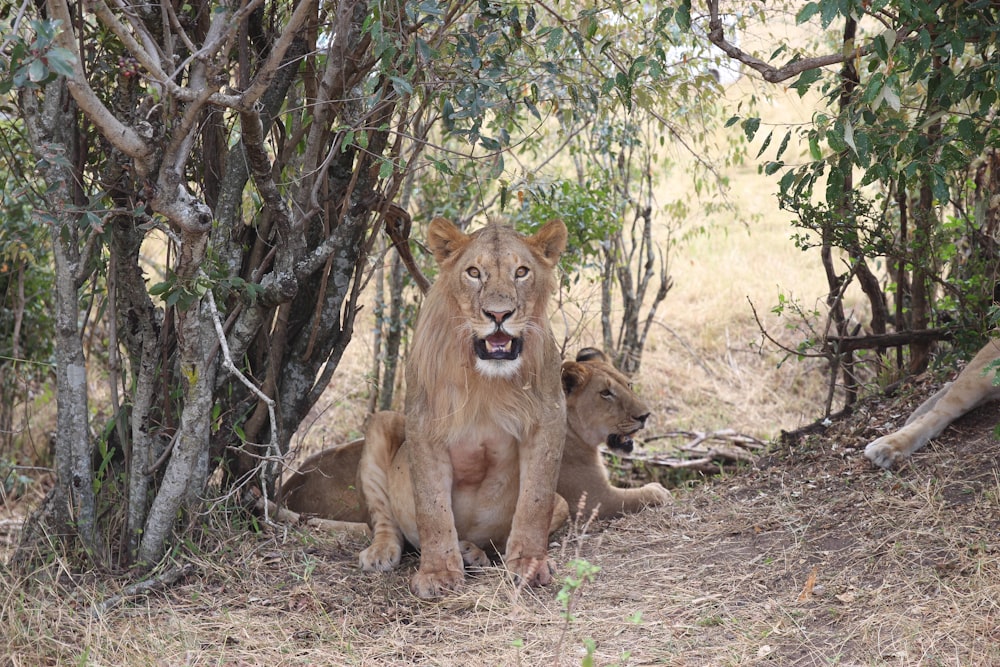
[500,281]
[600,403]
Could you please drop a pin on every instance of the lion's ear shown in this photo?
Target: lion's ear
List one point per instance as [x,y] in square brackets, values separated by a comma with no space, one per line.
[574,375]
[445,239]
[550,241]
[591,353]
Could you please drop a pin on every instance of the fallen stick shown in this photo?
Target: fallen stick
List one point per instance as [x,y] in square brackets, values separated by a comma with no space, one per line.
[284,515]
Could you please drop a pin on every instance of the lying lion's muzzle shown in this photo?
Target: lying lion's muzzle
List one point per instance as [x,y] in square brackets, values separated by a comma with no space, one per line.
[498,346]
[621,443]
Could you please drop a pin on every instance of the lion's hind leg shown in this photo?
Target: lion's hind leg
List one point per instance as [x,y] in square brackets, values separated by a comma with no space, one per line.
[970,389]
[383,438]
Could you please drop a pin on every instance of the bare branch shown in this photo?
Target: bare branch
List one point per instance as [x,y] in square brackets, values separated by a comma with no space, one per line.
[227,362]
[897,339]
[159,582]
[121,136]
[277,55]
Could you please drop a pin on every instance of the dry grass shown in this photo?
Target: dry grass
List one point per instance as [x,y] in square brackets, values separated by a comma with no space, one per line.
[810,558]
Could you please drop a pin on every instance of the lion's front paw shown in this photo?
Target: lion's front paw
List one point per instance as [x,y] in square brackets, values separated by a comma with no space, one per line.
[656,494]
[428,585]
[381,556]
[531,571]
[885,452]
[473,556]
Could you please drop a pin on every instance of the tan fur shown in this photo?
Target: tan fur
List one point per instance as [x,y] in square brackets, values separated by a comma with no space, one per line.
[600,404]
[484,436]
[324,485]
[973,387]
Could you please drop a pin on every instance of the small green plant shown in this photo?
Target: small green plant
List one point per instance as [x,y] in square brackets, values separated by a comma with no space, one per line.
[581,572]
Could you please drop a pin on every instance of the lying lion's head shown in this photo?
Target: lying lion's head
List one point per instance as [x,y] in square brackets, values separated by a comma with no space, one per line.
[500,280]
[600,403]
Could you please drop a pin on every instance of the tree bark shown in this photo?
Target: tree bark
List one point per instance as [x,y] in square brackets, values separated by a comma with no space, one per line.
[74,506]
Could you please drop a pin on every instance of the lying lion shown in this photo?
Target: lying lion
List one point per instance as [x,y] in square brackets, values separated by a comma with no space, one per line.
[600,407]
[973,387]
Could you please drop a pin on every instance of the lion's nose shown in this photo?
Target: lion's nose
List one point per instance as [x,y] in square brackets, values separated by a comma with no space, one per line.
[642,418]
[498,316]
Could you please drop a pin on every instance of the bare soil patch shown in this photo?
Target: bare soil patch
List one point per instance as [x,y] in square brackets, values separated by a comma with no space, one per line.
[809,557]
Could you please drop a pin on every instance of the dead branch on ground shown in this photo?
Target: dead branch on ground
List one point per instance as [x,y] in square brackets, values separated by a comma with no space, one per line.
[705,451]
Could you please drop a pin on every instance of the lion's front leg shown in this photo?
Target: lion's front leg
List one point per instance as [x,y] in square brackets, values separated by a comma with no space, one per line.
[441,568]
[527,547]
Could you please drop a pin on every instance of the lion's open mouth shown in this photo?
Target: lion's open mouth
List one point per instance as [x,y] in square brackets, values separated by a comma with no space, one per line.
[621,443]
[498,346]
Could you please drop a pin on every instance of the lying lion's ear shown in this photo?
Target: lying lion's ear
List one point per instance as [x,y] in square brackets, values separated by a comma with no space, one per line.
[550,240]
[591,353]
[573,376]
[444,239]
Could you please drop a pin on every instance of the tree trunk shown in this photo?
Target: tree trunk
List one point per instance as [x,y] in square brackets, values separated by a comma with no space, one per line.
[74,506]
[923,254]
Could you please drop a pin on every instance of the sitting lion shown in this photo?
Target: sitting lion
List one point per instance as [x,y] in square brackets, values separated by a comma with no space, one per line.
[973,387]
[600,407]
[485,413]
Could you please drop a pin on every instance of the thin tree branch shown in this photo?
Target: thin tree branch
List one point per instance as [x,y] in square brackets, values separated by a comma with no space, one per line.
[227,362]
[771,74]
[277,54]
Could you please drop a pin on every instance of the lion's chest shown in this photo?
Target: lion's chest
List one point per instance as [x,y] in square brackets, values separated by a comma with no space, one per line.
[485,488]
[484,461]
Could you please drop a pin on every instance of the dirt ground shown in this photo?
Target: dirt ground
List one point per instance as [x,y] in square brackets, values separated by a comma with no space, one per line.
[810,557]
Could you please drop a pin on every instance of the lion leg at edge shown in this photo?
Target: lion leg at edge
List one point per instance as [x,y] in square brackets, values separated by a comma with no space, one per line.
[973,387]
[381,443]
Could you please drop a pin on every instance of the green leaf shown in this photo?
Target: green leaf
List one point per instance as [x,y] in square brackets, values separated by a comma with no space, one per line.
[423,49]
[784,145]
[60,61]
[829,10]
[624,85]
[810,10]
[37,71]
[385,169]
[849,135]
[806,80]
[554,40]
[750,127]
[159,288]
[683,16]
[814,150]
[767,142]
[401,86]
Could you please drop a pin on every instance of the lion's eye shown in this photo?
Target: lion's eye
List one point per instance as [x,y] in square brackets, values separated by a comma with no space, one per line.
[608,394]
[472,272]
[521,272]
